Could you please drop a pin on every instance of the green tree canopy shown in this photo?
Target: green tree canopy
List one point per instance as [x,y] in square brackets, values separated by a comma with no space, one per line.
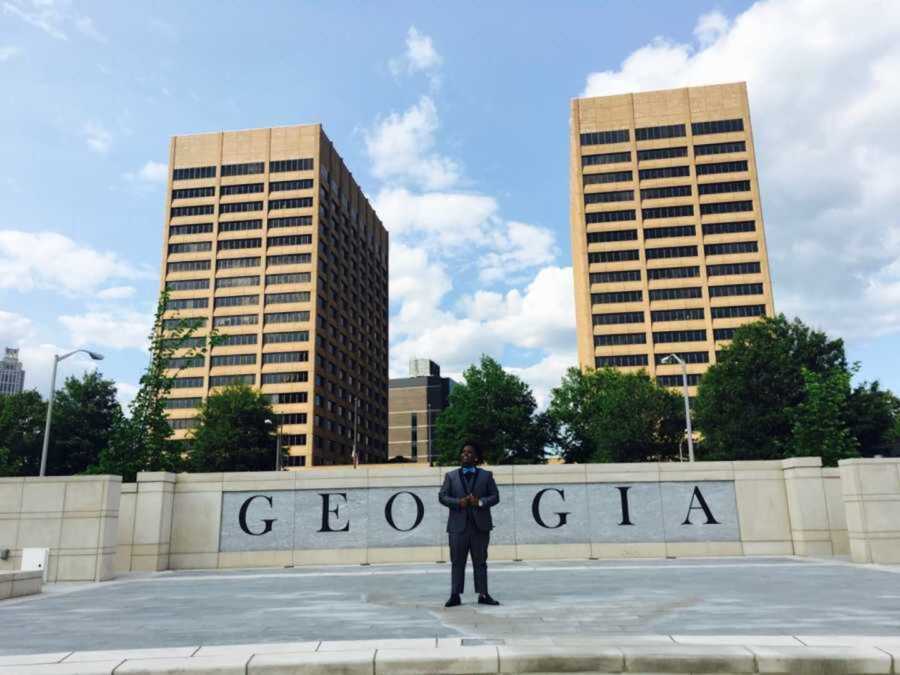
[233,434]
[497,410]
[86,415]
[612,416]
[819,421]
[874,417]
[21,433]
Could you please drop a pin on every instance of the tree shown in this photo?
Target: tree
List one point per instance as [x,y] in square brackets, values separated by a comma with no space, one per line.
[86,414]
[22,419]
[819,421]
[233,434]
[745,402]
[874,417]
[142,442]
[611,416]
[498,411]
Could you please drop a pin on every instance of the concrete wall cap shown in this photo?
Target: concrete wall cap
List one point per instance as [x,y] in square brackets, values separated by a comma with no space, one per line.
[798,462]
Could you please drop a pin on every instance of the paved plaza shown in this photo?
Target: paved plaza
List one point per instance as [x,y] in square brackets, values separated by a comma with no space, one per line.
[738,596]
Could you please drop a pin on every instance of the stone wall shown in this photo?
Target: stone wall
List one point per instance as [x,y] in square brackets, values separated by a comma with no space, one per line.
[74,516]
[871,495]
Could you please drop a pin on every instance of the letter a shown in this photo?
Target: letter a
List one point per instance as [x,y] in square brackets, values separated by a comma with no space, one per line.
[699,497]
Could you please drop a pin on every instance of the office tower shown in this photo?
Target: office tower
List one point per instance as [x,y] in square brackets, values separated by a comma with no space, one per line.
[668,242]
[414,403]
[269,240]
[12,376]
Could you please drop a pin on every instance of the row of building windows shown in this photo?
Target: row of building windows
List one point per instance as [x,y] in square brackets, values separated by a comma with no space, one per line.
[187,382]
[652,154]
[657,133]
[729,228]
[621,360]
[246,169]
[182,403]
[738,311]
[284,165]
[728,269]
[289,278]
[184,323]
[661,153]
[670,252]
[731,247]
[195,228]
[290,221]
[615,318]
[605,137]
[285,378]
[285,337]
[237,300]
[668,212]
[673,272]
[609,216]
[240,207]
[236,340]
[290,240]
[288,397]
[292,203]
[179,362]
[722,188]
[290,441]
[726,207]
[187,303]
[664,172]
[688,292]
[200,210]
[191,247]
[233,360]
[291,418]
[723,333]
[666,192]
[607,197]
[719,148]
[240,225]
[735,289]
[237,282]
[717,127]
[193,193]
[187,285]
[242,189]
[665,336]
[670,231]
[693,379]
[231,380]
[285,185]
[616,296]
[184,423]
[286,298]
[612,256]
[611,235]
[722,167]
[683,314]
[620,339]
[193,173]
[239,263]
[285,357]
[615,277]
[184,343]
[238,244]
[687,357]
[609,177]
[605,158]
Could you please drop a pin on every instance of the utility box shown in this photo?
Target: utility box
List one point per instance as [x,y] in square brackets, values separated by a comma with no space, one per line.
[35,559]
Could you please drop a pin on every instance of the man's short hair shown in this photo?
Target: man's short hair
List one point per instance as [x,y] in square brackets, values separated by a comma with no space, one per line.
[475,447]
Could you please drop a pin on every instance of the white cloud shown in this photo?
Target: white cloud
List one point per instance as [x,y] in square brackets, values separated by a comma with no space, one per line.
[98,138]
[152,172]
[8,53]
[420,55]
[87,27]
[118,330]
[125,393]
[401,149]
[546,374]
[520,247]
[43,14]
[824,85]
[13,328]
[51,261]
[116,293]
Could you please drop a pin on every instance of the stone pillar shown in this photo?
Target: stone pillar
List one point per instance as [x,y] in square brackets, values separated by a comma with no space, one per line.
[805,488]
[871,491]
[152,521]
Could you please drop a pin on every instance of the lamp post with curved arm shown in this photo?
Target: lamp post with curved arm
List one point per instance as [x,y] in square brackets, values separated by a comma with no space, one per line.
[56,359]
[671,358]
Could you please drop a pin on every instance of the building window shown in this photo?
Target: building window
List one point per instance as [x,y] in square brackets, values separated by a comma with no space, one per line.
[233,263]
[286,298]
[283,165]
[666,192]
[723,333]
[285,185]
[238,320]
[237,300]
[179,362]
[238,244]
[243,169]
[615,277]
[605,158]
[693,379]
[719,148]
[668,212]
[291,221]
[686,314]
[240,207]
[187,303]
[717,127]
[670,252]
[620,361]
[729,228]
[245,189]
[613,256]
[295,203]
[722,167]
[237,282]
[617,318]
[606,197]
[620,339]
[738,311]
[611,235]
[291,441]
[193,193]
[191,247]
[722,188]
[201,210]
[609,177]
[286,317]
[656,133]
[290,259]
[731,247]
[290,240]
[285,378]
[664,336]
[735,289]
[184,324]
[236,340]
[187,285]
[673,272]
[671,231]
[661,153]
[292,418]
[726,207]
[231,380]
[605,137]
[687,357]
[193,173]
[195,228]
[285,357]
[732,268]
[609,216]
[688,292]
[182,403]
[187,383]
[188,423]
[233,360]
[291,278]
[288,397]
[285,337]
[664,172]
[616,296]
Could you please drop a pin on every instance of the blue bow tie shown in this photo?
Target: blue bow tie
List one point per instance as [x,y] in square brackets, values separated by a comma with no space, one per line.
[468,469]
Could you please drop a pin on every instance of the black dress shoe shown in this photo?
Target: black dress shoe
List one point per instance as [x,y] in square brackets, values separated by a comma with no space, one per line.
[486,600]
[453,601]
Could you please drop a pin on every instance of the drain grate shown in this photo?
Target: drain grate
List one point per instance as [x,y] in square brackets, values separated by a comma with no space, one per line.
[481,642]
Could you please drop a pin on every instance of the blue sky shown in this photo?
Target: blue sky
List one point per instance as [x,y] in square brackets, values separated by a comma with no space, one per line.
[454,119]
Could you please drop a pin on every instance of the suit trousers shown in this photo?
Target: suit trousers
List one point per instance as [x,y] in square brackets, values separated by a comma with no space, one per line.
[474,542]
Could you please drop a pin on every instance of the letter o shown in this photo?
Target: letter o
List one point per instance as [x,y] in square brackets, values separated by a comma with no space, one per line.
[389,511]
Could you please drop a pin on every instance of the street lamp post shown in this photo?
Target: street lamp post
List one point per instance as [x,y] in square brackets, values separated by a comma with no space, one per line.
[277,443]
[672,358]
[56,359]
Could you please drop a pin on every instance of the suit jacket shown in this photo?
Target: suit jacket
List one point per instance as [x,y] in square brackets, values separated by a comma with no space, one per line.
[454,489]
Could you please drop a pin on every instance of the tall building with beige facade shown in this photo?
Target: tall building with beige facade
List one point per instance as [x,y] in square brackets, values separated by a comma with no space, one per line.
[414,404]
[269,240]
[668,242]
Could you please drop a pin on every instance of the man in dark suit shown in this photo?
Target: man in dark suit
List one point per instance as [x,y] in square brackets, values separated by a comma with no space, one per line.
[469,493]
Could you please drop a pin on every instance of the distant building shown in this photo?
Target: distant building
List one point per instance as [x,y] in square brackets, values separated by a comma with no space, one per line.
[414,403]
[12,376]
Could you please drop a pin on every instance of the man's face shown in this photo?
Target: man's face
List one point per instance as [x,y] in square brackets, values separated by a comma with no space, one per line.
[467,456]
